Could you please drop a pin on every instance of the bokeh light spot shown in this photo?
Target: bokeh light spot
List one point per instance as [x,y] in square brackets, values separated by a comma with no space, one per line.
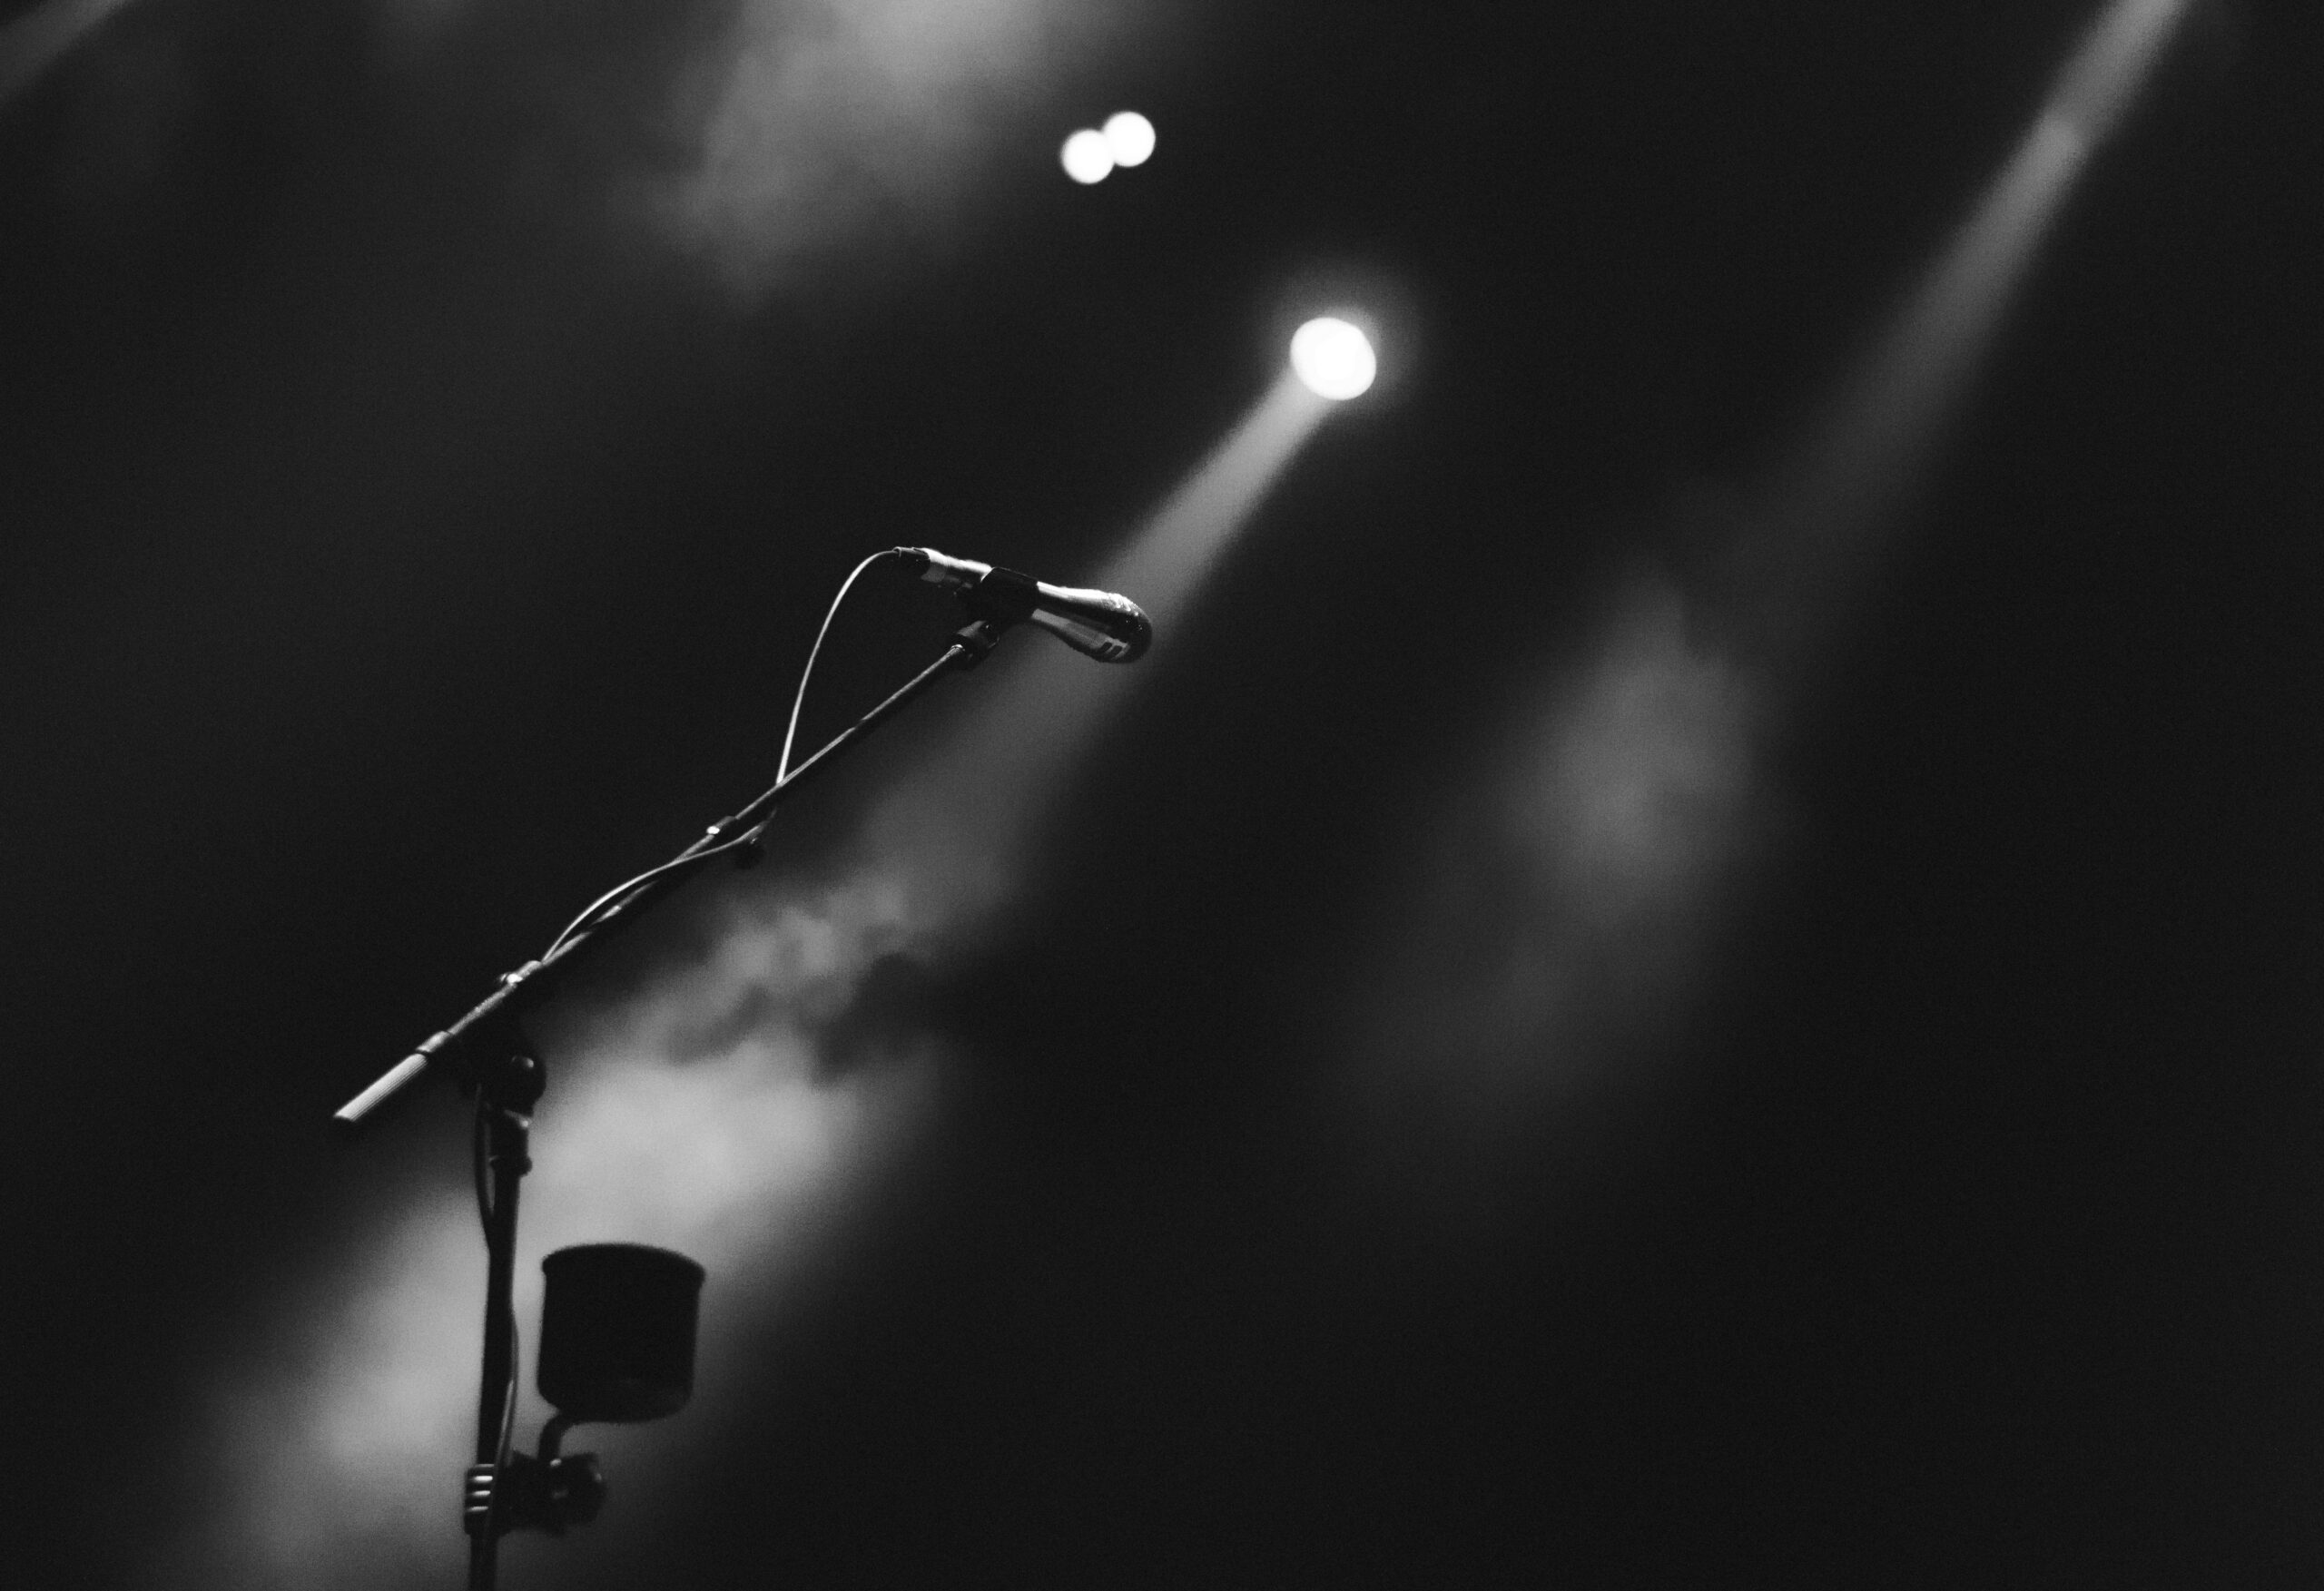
[1088,155]
[1130,137]
[1332,358]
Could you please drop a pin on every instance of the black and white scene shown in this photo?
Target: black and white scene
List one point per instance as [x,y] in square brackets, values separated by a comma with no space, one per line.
[1162,794]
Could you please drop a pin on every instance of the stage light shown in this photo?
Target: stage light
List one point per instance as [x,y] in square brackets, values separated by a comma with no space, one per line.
[1130,137]
[1332,358]
[1088,155]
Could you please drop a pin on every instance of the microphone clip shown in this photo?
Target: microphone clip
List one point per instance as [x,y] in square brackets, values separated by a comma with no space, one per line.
[1002,598]
[1097,623]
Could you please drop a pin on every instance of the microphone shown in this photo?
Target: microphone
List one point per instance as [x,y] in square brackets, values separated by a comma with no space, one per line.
[1110,628]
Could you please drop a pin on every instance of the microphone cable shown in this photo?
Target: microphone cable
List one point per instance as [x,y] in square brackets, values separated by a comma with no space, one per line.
[782,763]
[597,907]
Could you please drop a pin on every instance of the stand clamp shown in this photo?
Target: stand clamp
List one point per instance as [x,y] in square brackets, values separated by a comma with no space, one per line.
[486,1053]
[533,1494]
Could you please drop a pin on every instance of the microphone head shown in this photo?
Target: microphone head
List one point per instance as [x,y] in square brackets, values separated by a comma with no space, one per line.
[1102,625]
[1108,626]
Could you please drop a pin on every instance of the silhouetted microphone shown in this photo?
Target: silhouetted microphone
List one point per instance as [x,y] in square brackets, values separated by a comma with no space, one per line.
[1110,628]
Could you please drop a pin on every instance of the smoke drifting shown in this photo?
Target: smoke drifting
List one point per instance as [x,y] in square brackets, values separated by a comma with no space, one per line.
[782,145]
[826,125]
[1574,887]
[734,1108]
[701,1118]
[731,1110]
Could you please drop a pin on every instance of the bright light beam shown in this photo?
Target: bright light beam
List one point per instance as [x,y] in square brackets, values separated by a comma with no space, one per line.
[970,822]
[698,1115]
[1888,418]
[1578,887]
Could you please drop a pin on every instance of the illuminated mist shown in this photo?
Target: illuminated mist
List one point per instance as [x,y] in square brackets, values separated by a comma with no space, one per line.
[823,124]
[768,140]
[699,1114]
[1575,892]
[1566,902]
[1882,429]
[971,825]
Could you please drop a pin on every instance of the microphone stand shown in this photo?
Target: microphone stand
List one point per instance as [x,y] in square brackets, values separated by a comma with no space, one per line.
[486,1053]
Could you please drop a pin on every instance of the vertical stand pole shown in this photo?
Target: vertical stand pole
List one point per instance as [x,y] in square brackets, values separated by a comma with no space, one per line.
[487,1050]
[508,1098]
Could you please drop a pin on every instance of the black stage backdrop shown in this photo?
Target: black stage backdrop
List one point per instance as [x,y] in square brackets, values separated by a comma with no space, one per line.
[411,528]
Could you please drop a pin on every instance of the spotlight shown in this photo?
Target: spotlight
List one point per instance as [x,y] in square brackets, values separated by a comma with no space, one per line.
[1088,155]
[1332,358]
[1130,138]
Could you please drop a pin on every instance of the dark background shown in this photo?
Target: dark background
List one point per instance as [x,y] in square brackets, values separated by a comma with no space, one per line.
[395,553]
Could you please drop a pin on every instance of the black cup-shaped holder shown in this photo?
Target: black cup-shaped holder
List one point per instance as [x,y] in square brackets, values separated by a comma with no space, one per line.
[617,1329]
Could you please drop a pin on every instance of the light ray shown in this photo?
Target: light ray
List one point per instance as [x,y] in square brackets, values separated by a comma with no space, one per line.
[1575,884]
[1890,415]
[969,821]
[697,1114]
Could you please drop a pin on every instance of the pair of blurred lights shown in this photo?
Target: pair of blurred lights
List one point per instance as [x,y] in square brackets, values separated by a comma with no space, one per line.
[1126,140]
